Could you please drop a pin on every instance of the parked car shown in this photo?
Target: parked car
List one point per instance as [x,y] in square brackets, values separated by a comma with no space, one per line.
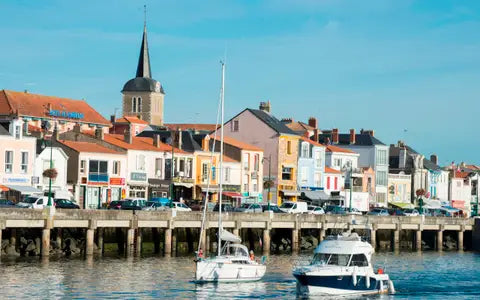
[294,207]
[65,203]
[354,211]
[335,210]
[133,204]
[225,207]
[6,203]
[410,212]
[36,202]
[249,208]
[179,206]
[315,210]
[273,207]
[378,212]
[153,205]
[115,204]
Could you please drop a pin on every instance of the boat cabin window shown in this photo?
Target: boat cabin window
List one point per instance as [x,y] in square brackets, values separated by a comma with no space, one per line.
[331,259]
[359,260]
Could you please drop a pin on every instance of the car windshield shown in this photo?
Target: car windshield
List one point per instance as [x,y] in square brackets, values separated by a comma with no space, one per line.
[245,205]
[287,205]
[30,200]
[377,210]
[128,203]
[318,209]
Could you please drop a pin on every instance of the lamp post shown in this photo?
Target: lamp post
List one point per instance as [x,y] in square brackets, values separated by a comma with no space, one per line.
[172,169]
[269,178]
[44,145]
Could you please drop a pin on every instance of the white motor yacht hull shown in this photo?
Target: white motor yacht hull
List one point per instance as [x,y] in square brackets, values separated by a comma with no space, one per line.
[211,270]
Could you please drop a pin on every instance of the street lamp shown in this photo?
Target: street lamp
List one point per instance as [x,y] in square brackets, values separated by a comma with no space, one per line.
[172,169]
[43,146]
[269,178]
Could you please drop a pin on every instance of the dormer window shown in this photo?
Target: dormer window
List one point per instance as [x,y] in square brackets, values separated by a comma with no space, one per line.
[136,104]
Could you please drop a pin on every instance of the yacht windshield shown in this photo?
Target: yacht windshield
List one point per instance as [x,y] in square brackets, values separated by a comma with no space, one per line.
[235,250]
[331,259]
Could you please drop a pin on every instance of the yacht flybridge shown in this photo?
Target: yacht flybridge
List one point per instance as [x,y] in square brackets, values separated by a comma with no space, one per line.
[342,265]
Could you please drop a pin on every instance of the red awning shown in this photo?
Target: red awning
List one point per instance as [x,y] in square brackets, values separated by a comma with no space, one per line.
[232,194]
[458,204]
[4,188]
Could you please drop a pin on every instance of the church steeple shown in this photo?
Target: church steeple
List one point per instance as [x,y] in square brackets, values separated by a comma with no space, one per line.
[143,68]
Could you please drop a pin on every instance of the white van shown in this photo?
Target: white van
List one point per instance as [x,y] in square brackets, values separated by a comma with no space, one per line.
[37,202]
[291,207]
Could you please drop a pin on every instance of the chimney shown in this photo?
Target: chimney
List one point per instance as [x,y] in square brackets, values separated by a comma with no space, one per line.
[206,143]
[127,136]
[312,122]
[369,132]
[402,158]
[315,135]
[265,106]
[77,128]
[26,91]
[49,106]
[99,134]
[335,136]
[434,158]
[179,138]
[156,140]
[112,119]
[352,136]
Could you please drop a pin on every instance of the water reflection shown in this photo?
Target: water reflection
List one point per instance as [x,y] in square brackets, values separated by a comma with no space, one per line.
[243,290]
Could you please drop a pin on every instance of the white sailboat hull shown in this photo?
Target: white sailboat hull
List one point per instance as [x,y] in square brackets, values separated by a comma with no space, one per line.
[214,270]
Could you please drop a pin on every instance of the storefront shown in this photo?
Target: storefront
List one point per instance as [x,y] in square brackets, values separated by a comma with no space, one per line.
[138,185]
[158,188]
[116,186]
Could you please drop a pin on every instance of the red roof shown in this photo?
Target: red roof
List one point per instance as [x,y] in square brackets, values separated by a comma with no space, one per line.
[199,127]
[229,159]
[88,147]
[237,144]
[461,174]
[331,148]
[129,119]
[34,105]
[312,142]
[138,143]
[330,170]
[32,128]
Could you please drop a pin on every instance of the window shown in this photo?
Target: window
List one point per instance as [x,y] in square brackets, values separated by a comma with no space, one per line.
[8,161]
[246,161]
[24,165]
[245,183]
[116,167]
[336,183]
[141,162]
[318,159]
[381,178]
[255,185]
[381,157]
[235,125]
[139,104]
[134,104]
[318,179]
[289,147]
[381,197]
[158,167]
[82,166]
[287,173]
[204,172]
[359,260]
[17,131]
[214,173]
[304,174]
[305,150]
[227,174]
[189,168]
[337,162]
[328,182]
[256,164]
[182,166]
[98,166]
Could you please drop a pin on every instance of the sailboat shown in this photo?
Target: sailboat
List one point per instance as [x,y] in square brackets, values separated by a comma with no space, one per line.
[232,263]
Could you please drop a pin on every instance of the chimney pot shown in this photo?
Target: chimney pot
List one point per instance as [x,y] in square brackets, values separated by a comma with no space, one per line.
[265,106]
[127,136]
[352,136]
[312,122]
[335,135]
[434,158]
[315,135]
[156,140]
[112,119]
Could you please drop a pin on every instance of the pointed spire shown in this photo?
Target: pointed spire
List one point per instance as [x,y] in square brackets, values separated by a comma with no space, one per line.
[143,68]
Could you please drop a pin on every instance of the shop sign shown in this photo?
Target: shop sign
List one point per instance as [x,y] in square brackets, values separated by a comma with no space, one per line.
[65,114]
[138,176]
[231,188]
[117,181]
[16,180]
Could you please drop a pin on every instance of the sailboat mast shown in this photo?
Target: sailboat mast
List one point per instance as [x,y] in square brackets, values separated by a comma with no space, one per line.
[220,173]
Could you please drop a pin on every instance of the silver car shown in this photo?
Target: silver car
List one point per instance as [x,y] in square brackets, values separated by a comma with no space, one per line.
[249,208]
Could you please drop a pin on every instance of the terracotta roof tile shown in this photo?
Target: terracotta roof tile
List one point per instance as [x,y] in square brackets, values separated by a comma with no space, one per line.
[229,159]
[462,174]
[331,148]
[88,147]
[238,144]
[312,142]
[330,170]
[34,105]
[199,127]
[32,128]
[129,119]
[138,143]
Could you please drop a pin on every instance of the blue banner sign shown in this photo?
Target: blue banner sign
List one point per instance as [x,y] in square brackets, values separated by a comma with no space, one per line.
[66,114]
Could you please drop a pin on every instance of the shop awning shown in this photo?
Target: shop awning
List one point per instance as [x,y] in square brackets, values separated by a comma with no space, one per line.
[315,195]
[450,209]
[458,204]
[24,189]
[184,184]
[290,193]
[211,189]
[402,205]
[3,188]
[232,194]
[432,204]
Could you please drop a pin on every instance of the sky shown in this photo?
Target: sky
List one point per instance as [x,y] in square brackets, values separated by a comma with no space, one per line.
[408,69]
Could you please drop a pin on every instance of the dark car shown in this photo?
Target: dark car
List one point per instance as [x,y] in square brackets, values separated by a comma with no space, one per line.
[225,207]
[273,208]
[116,204]
[6,203]
[65,203]
[134,204]
[335,210]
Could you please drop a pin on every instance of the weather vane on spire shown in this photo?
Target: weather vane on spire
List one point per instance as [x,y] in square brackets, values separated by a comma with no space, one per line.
[145,15]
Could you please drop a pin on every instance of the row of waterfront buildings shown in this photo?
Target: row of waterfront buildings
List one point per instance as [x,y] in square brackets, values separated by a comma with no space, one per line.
[265,158]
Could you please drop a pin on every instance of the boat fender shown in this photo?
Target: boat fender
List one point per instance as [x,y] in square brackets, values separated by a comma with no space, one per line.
[391,288]
[354,277]
[367,280]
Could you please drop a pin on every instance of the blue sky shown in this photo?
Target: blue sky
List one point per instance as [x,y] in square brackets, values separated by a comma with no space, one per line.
[408,69]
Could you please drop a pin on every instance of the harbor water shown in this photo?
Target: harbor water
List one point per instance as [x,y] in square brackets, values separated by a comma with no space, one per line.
[427,275]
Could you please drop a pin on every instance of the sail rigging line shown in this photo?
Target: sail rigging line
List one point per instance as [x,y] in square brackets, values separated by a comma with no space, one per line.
[212,153]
